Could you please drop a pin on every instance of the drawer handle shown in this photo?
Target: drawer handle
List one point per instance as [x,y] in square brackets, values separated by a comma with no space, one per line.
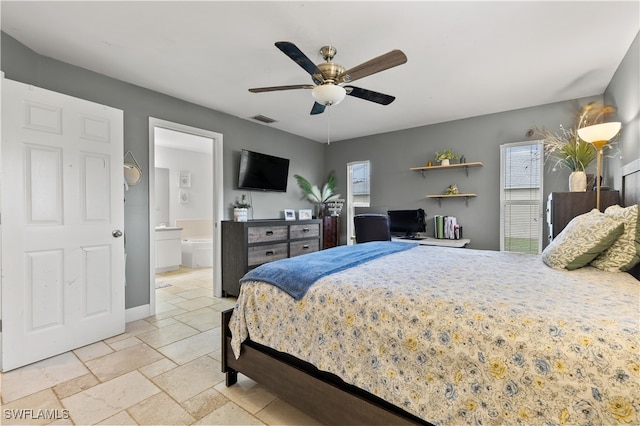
[269,233]
[305,229]
[305,247]
[269,253]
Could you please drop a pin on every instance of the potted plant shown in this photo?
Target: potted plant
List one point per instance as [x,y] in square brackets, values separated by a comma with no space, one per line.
[567,150]
[444,157]
[317,196]
[241,210]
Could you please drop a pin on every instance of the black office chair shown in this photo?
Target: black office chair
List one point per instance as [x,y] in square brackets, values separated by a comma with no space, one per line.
[371,227]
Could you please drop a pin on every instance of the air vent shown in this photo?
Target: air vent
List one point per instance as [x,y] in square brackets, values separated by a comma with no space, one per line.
[263,119]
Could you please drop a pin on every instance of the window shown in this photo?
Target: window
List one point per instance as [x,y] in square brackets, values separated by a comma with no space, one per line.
[358,192]
[521,204]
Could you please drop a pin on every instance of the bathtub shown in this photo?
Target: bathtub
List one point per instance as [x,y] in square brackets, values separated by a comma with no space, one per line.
[197,253]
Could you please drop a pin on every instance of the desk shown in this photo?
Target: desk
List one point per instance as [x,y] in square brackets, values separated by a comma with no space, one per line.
[430,241]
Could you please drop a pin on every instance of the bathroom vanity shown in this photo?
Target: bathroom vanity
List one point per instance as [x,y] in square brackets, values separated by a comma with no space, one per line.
[168,248]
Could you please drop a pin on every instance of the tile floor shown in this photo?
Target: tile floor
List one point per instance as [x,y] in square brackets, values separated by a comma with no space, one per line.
[164,370]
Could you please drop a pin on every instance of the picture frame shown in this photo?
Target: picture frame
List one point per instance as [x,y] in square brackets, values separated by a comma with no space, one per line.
[289,214]
[305,214]
[185,197]
[185,179]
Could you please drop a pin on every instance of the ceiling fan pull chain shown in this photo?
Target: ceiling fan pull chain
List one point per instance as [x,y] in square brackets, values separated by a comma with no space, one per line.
[329,126]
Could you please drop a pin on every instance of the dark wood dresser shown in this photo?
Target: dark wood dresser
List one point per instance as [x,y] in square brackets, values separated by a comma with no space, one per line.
[246,245]
[330,231]
[564,206]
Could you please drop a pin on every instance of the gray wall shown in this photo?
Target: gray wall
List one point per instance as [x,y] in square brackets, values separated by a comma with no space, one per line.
[22,64]
[393,186]
[624,92]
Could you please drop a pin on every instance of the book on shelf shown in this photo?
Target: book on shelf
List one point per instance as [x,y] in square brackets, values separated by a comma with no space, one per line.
[447,227]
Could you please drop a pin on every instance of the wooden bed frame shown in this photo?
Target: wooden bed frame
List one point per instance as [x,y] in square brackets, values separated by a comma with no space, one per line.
[325,396]
[321,395]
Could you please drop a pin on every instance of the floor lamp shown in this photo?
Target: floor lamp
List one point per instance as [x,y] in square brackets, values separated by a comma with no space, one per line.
[598,135]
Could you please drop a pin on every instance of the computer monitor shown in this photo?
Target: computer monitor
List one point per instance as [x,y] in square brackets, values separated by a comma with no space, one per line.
[406,223]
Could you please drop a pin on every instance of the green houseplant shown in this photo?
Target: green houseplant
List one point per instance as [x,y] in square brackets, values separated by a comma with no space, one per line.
[241,210]
[567,150]
[444,156]
[317,196]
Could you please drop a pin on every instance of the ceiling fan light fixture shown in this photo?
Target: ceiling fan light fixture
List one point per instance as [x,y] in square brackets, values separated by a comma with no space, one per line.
[329,94]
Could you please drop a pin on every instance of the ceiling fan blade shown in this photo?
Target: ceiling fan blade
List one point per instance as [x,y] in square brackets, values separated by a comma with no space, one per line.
[369,95]
[317,108]
[292,51]
[381,63]
[275,88]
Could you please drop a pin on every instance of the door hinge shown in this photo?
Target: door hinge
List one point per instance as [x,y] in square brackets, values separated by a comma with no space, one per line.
[0,326]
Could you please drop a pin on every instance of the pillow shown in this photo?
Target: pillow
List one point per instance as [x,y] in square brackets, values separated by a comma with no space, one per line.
[624,253]
[585,237]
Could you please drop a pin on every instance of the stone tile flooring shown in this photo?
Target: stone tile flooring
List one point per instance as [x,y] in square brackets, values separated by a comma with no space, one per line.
[164,370]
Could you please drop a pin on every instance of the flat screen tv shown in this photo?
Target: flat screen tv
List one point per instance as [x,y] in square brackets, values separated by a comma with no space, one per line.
[263,172]
[406,223]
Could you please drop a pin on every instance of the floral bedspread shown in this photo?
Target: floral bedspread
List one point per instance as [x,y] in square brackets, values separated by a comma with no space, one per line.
[460,336]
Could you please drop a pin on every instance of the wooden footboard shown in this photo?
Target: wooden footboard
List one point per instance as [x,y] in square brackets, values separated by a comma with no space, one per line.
[321,395]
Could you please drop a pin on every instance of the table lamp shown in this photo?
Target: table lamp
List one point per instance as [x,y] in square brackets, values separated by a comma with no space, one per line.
[598,135]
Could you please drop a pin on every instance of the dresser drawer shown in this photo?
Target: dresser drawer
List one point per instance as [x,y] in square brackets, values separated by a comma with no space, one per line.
[264,234]
[297,248]
[258,255]
[302,231]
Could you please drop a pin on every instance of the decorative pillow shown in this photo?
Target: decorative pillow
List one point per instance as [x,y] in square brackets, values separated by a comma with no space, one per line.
[585,237]
[624,253]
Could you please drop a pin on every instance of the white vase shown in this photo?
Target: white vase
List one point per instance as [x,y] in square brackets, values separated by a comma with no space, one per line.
[444,162]
[240,215]
[578,181]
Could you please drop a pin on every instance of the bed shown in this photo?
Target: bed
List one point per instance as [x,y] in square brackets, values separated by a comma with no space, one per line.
[438,335]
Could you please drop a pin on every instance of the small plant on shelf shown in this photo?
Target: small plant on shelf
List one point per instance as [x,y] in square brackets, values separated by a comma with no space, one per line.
[444,156]
[452,190]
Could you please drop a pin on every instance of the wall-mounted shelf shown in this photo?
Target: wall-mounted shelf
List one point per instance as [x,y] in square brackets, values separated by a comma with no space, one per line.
[439,197]
[466,166]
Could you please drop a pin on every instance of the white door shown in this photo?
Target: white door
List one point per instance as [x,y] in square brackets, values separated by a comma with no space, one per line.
[62,211]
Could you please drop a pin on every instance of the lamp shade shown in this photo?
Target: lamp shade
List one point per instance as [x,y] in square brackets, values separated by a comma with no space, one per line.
[599,134]
[329,94]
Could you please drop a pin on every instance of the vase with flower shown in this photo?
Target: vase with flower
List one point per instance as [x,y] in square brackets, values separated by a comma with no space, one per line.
[566,149]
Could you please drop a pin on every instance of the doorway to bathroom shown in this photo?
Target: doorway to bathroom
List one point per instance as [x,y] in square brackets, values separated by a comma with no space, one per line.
[185,208]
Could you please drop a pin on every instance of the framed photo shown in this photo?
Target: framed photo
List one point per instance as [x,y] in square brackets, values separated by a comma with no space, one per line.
[304,214]
[185,179]
[289,214]
[184,196]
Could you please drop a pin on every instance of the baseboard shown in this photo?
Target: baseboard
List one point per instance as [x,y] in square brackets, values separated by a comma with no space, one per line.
[137,313]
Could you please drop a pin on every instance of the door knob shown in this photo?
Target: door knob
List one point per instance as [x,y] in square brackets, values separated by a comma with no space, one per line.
[117,233]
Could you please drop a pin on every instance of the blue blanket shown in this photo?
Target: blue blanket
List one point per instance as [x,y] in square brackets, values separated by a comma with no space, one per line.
[295,275]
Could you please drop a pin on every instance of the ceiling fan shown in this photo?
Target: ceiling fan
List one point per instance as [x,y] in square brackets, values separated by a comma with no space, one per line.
[329,78]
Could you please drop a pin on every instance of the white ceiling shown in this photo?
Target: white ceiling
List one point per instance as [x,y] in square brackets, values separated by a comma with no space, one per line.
[464,58]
